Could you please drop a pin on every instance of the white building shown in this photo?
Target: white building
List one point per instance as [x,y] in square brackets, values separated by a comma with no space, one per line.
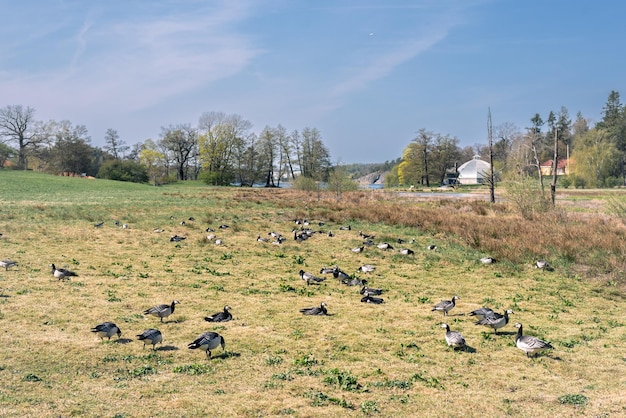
[475,171]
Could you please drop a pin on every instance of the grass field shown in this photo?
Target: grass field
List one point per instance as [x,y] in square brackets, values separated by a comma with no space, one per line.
[380,360]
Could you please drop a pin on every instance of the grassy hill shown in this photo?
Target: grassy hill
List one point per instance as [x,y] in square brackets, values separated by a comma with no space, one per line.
[362,359]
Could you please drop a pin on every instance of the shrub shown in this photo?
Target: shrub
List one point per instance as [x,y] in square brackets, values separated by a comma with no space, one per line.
[123,171]
[527,197]
[306,184]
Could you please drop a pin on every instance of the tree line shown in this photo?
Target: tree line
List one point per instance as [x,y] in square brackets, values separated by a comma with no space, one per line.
[221,150]
[595,155]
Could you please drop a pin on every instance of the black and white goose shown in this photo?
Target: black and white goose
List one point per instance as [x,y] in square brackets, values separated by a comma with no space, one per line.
[177,238]
[62,274]
[327,270]
[7,263]
[163,310]
[367,268]
[543,265]
[365,236]
[259,238]
[487,260]
[446,306]
[315,310]
[406,251]
[107,329]
[481,313]
[207,341]
[384,246]
[223,316]
[357,249]
[453,338]
[310,278]
[371,291]
[345,228]
[529,344]
[151,335]
[340,274]
[495,320]
[432,247]
[354,282]
[368,298]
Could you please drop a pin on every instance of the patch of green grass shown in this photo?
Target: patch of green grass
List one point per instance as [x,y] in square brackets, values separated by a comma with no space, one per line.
[573,399]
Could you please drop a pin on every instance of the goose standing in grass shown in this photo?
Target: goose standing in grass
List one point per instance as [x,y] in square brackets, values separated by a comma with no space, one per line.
[107,329]
[207,342]
[163,310]
[315,310]
[152,335]
[310,278]
[367,268]
[495,320]
[529,344]
[7,263]
[454,338]
[446,306]
[368,298]
[371,291]
[62,274]
[481,313]
[223,316]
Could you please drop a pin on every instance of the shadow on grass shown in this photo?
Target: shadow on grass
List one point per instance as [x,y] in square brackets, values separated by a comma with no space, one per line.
[167,348]
[226,355]
[122,341]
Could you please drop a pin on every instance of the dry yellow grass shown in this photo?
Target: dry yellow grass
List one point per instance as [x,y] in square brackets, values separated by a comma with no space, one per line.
[387,360]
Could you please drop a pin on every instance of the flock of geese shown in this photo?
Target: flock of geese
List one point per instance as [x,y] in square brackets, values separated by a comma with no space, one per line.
[209,341]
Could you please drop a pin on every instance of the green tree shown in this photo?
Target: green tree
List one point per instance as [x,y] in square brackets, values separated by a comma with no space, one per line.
[596,158]
[154,162]
[114,145]
[123,171]
[339,181]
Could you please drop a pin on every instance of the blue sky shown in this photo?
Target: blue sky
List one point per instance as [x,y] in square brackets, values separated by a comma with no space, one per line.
[367,74]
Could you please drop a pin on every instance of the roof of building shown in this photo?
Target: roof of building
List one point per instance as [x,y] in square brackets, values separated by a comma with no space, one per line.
[562,163]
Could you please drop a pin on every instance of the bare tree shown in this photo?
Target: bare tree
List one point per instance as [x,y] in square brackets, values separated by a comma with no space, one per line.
[492,179]
[182,142]
[17,127]
[113,145]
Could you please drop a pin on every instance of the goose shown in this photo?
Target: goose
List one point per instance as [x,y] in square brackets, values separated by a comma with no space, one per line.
[183,223]
[369,242]
[315,310]
[400,241]
[274,234]
[495,320]
[223,316]
[371,291]
[367,268]
[62,274]
[7,263]
[211,237]
[157,230]
[365,236]
[481,313]
[345,228]
[300,236]
[330,234]
[224,226]
[99,224]
[177,238]
[209,229]
[407,251]
[445,305]
[107,329]
[529,344]
[152,335]
[327,270]
[367,298]
[218,241]
[163,310]
[543,265]
[357,249]
[191,218]
[354,282]
[310,278]
[262,239]
[432,247]
[124,226]
[487,260]
[339,274]
[454,338]
[385,246]
[207,341]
